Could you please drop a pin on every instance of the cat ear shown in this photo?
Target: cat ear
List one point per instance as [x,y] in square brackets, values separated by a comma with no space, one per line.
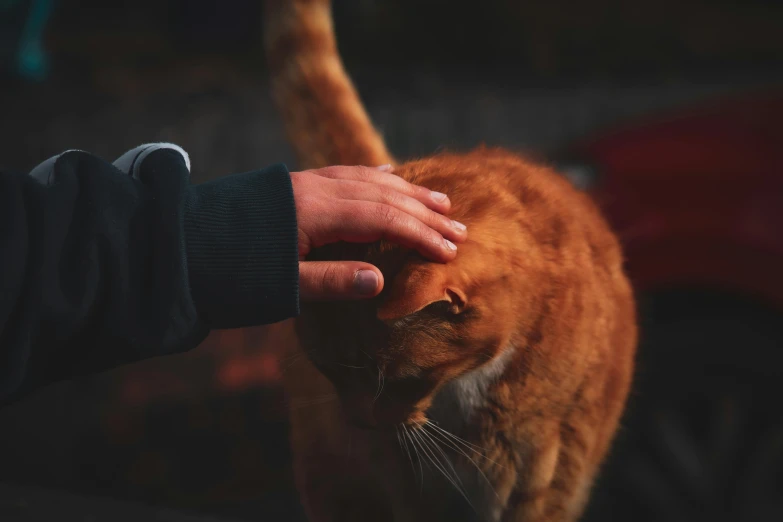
[458,300]
[414,289]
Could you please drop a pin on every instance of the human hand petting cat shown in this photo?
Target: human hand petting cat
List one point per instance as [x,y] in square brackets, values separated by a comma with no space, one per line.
[362,205]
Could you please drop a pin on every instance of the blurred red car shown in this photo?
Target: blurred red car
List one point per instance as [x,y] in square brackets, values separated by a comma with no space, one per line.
[696,196]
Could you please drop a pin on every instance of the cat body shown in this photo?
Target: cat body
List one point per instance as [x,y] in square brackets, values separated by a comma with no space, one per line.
[485,389]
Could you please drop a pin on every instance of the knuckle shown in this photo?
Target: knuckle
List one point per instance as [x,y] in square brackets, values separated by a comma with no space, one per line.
[441,220]
[419,193]
[422,192]
[330,278]
[389,196]
[330,172]
[388,216]
[407,186]
[365,174]
[426,235]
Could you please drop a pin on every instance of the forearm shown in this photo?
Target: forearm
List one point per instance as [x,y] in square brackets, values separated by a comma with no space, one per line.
[102,268]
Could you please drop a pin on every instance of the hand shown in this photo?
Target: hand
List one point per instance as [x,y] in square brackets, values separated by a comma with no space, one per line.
[363,205]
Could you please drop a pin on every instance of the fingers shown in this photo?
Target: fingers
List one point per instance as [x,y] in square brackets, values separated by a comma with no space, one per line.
[382,176]
[361,191]
[366,222]
[363,205]
[333,280]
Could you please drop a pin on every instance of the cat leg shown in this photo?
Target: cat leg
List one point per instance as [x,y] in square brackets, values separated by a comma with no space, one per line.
[556,480]
[331,461]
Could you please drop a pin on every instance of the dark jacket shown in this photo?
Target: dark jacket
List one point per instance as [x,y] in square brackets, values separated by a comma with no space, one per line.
[104,264]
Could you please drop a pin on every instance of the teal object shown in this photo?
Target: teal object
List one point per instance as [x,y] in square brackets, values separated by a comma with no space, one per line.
[32,60]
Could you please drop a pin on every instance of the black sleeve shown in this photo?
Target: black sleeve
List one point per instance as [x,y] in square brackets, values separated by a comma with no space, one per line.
[103,264]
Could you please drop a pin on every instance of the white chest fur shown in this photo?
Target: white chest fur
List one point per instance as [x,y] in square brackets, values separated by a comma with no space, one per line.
[459,399]
[452,410]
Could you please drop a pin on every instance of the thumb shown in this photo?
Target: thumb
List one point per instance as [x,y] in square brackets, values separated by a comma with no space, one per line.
[333,280]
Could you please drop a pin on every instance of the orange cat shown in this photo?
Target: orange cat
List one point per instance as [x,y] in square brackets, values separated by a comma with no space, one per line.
[488,388]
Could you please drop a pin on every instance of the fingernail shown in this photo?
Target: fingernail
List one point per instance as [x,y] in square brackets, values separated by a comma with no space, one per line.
[440,197]
[386,168]
[365,282]
[458,225]
[450,245]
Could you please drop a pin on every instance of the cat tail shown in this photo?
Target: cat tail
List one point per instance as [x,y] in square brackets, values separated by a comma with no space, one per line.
[324,118]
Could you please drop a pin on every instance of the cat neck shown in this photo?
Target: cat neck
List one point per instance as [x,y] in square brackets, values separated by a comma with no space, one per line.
[458,400]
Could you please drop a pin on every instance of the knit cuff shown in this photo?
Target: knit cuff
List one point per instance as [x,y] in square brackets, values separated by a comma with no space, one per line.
[242,248]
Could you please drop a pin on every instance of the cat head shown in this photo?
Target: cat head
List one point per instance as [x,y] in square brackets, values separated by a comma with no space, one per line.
[433,322]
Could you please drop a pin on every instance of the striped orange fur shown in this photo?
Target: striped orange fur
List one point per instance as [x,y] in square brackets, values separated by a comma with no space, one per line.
[323,115]
[485,389]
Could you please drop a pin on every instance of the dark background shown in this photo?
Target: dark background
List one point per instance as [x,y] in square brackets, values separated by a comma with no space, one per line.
[204,433]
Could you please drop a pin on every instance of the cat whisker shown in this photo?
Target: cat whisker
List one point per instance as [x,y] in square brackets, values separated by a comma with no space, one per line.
[432,424]
[456,479]
[433,458]
[351,366]
[452,443]
[459,450]
[407,451]
[285,363]
[381,382]
[297,354]
[289,362]
[472,447]
[291,357]
[440,450]
[417,444]
[409,434]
